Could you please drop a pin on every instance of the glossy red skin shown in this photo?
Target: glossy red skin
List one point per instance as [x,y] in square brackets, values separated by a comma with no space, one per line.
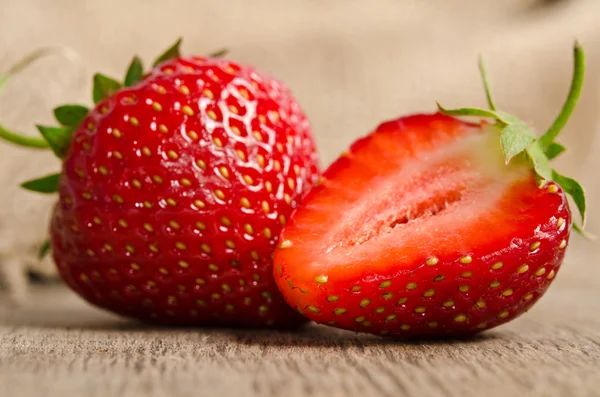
[122,244]
[412,305]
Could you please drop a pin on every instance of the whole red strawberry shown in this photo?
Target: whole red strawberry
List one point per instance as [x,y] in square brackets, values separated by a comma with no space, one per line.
[174,189]
[432,226]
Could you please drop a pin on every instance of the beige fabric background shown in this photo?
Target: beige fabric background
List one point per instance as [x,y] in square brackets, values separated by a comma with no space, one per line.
[351,64]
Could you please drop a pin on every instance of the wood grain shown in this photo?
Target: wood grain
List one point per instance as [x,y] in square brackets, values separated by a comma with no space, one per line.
[61,347]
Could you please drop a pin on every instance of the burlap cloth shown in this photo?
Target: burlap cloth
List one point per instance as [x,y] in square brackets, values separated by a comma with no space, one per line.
[351,64]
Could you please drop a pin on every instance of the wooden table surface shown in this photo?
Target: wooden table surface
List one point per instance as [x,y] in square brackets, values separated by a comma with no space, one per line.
[59,346]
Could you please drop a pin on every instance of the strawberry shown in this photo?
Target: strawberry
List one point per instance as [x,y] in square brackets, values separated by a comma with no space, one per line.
[173,191]
[432,226]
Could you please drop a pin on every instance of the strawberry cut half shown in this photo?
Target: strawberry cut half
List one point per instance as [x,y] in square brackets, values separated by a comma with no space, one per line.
[429,226]
[417,221]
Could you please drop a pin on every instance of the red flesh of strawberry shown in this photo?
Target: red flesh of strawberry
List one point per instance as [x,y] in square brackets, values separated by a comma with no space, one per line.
[422,230]
[174,192]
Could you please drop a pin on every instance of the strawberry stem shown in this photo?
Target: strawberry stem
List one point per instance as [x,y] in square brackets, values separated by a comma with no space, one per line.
[40,53]
[486,83]
[16,137]
[583,233]
[572,98]
[518,139]
[22,140]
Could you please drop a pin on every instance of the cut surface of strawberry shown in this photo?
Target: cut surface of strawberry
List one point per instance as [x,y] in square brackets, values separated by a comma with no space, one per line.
[425,228]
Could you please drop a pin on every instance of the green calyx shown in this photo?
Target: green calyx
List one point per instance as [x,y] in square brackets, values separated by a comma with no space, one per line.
[45,184]
[69,117]
[44,249]
[518,140]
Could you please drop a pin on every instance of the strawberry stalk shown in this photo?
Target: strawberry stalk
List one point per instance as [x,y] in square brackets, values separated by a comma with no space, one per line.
[22,140]
[547,140]
[16,137]
[518,140]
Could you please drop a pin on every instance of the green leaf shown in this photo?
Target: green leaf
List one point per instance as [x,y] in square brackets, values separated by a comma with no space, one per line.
[219,53]
[134,72]
[539,160]
[515,138]
[104,87]
[573,189]
[70,115]
[172,52]
[46,184]
[503,118]
[554,150]
[468,112]
[59,138]
[44,249]
[508,118]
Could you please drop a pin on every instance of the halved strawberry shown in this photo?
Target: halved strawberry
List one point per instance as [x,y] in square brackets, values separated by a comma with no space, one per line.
[425,228]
